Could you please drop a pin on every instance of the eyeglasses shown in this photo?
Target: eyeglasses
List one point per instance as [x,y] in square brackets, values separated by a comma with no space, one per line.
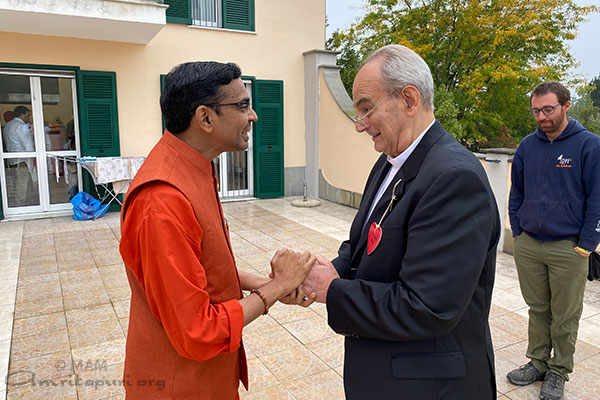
[243,105]
[547,110]
[361,119]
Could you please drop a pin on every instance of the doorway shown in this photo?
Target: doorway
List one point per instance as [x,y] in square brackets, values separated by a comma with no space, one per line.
[38,110]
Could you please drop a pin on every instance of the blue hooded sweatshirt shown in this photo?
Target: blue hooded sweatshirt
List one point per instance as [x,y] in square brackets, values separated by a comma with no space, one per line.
[555,192]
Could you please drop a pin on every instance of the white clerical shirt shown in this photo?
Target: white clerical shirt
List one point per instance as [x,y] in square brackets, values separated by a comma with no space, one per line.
[397,163]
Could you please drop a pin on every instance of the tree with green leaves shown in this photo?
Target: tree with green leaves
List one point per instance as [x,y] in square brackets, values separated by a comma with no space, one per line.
[584,108]
[595,91]
[486,54]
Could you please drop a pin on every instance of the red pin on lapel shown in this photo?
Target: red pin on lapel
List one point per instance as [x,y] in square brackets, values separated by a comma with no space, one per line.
[375,231]
[374,238]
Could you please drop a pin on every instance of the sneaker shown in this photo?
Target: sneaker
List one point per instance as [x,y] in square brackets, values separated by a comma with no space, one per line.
[525,374]
[553,387]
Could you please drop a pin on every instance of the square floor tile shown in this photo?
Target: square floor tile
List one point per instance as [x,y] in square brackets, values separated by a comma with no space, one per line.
[8,292]
[106,383]
[103,354]
[38,269]
[93,333]
[65,389]
[90,315]
[502,339]
[79,276]
[584,350]
[330,350]
[43,292]
[588,332]
[6,321]
[73,256]
[4,361]
[284,313]
[507,299]
[261,324]
[39,325]
[38,261]
[86,299]
[9,271]
[119,293]
[75,288]
[79,264]
[496,311]
[324,385]
[39,345]
[293,363]
[39,307]
[512,323]
[503,367]
[122,308]
[514,353]
[310,330]
[50,366]
[259,376]
[319,308]
[270,341]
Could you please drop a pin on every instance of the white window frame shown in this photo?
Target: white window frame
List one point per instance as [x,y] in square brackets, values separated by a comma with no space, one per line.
[207,13]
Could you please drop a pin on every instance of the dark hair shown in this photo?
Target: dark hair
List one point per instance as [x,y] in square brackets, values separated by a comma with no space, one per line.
[190,85]
[561,92]
[20,110]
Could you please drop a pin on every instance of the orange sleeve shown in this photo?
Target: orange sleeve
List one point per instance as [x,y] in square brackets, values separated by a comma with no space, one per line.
[162,242]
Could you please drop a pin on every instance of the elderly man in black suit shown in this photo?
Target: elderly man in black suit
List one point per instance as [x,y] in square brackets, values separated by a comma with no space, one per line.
[411,289]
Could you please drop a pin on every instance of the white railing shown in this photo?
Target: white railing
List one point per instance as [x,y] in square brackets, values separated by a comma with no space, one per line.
[206,13]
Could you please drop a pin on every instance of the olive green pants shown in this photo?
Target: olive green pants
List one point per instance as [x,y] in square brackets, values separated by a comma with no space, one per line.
[552,278]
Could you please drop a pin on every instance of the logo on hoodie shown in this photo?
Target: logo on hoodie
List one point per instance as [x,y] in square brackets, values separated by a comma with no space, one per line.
[564,162]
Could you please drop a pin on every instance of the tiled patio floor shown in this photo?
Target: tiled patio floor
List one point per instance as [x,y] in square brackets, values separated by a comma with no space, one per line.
[64,310]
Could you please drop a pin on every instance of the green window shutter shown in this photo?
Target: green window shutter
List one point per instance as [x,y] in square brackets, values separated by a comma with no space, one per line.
[268,139]
[98,118]
[179,11]
[162,86]
[238,14]
[99,123]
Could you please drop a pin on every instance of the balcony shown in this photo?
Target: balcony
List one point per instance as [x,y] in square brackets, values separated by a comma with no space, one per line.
[130,21]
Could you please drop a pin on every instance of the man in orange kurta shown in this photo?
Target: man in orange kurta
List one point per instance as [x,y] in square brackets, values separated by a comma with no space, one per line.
[187,309]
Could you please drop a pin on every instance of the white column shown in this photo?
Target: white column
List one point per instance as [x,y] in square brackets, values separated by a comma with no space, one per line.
[313,61]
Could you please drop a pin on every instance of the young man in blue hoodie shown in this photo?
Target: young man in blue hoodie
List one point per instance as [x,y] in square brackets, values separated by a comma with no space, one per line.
[554,211]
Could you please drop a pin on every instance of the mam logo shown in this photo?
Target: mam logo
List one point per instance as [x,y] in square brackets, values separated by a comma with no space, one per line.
[564,162]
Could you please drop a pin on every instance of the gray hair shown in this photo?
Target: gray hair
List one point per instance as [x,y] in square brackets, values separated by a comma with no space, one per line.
[401,66]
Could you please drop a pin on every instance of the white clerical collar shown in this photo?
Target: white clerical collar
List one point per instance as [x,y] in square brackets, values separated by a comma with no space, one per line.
[399,160]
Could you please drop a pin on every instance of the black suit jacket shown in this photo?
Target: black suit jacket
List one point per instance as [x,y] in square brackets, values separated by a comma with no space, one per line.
[415,311]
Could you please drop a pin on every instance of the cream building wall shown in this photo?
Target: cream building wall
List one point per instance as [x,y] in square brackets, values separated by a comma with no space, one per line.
[345,156]
[284,29]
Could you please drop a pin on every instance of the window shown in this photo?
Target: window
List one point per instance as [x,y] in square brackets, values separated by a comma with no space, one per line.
[207,13]
[227,14]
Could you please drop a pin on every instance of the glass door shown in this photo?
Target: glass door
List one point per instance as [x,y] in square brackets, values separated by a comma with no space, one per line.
[20,189]
[61,139]
[38,111]
[234,169]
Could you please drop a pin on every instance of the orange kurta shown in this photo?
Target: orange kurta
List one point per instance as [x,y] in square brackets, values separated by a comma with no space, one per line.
[185,324]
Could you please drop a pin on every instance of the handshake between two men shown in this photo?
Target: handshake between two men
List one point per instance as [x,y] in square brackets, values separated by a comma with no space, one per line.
[307,276]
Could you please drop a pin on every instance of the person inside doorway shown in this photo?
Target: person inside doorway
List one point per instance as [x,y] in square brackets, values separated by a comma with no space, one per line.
[8,116]
[22,174]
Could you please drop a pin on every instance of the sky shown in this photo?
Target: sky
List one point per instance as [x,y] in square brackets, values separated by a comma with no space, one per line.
[585,48]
